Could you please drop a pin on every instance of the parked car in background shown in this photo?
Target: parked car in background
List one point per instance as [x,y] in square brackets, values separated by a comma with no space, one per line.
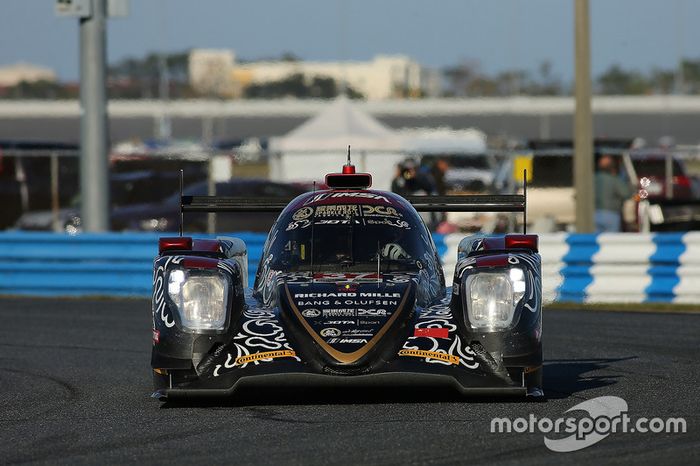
[467,172]
[126,189]
[652,166]
[165,215]
[25,176]
[551,201]
[470,167]
[663,209]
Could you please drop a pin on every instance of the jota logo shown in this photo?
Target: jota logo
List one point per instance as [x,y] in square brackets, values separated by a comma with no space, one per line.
[604,415]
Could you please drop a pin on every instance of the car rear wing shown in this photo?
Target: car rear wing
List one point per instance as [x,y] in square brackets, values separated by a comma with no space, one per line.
[233,204]
[469,203]
[452,203]
[466,203]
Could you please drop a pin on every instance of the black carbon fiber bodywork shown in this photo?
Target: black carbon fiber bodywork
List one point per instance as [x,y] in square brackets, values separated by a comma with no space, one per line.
[344,327]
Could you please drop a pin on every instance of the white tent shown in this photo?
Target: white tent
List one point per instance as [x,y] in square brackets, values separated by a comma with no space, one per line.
[319,146]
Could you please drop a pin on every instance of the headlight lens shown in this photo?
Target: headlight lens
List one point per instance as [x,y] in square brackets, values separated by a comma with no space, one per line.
[201,298]
[493,297]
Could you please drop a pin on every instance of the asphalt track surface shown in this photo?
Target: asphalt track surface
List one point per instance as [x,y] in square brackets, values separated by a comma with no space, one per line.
[75,385]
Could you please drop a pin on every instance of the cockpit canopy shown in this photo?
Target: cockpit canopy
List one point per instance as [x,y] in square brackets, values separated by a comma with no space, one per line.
[349,231]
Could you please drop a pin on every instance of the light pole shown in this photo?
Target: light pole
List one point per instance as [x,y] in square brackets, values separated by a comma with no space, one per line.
[94,168]
[583,122]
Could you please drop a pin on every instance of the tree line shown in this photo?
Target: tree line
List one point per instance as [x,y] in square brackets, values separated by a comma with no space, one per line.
[467,80]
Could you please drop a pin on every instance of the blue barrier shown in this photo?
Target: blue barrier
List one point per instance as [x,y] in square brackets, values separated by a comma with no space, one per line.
[113,264]
[664,265]
[620,267]
[577,273]
[627,267]
[592,268]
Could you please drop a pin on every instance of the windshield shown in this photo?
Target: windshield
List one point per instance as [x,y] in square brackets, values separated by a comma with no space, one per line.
[475,161]
[471,161]
[348,237]
[655,167]
[551,172]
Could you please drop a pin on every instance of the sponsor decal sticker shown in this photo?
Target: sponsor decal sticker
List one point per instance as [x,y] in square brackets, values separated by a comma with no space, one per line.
[352,195]
[351,312]
[390,222]
[339,277]
[330,332]
[339,313]
[450,358]
[351,287]
[311,312]
[379,211]
[337,210]
[303,213]
[265,355]
[349,341]
[362,294]
[357,332]
[433,332]
[371,313]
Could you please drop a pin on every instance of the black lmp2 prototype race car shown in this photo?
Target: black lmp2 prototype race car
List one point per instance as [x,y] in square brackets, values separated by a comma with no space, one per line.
[349,292]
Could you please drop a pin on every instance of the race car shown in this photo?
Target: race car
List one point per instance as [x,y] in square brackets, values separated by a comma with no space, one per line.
[349,292]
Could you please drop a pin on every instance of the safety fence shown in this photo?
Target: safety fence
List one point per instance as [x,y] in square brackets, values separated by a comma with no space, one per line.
[633,268]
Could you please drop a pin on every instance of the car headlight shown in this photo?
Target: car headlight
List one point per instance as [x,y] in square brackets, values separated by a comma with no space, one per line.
[493,297]
[201,298]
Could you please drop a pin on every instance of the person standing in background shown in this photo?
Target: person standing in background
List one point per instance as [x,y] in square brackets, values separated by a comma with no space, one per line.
[610,193]
[438,170]
[411,180]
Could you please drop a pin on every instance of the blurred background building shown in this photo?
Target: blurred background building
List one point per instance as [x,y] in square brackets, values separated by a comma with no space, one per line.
[465,96]
[12,75]
[216,72]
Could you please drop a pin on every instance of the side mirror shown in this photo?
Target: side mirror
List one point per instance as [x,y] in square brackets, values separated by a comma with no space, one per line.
[237,250]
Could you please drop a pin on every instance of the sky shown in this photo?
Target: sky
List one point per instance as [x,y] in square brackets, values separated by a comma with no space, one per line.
[498,34]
